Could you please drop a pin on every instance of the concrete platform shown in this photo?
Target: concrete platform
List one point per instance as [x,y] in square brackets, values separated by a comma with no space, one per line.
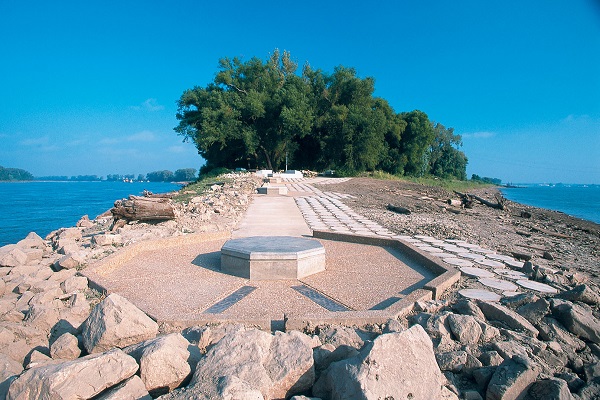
[367,279]
[272,257]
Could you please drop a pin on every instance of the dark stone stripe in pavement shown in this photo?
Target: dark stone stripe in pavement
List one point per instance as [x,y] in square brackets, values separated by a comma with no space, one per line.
[320,299]
[384,304]
[230,300]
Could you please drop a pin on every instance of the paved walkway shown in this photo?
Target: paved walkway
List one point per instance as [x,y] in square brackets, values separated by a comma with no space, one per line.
[272,216]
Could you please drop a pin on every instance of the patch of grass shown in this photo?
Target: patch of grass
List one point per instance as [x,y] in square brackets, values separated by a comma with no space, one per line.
[201,186]
[448,184]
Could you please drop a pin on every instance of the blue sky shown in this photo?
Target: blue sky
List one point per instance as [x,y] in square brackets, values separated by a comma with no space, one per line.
[91,87]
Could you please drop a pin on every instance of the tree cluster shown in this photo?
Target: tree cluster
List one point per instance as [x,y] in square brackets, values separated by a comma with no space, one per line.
[181,175]
[14,174]
[485,179]
[259,114]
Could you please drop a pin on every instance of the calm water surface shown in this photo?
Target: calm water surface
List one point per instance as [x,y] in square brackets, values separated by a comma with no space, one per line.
[581,201]
[42,207]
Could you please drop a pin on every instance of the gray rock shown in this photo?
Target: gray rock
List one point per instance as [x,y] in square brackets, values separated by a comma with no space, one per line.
[582,293]
[163,362]
[13,258]
[82,378]
[8,367]
[75,284]
[488,332]
[84,222]
[482,377]
[43,318]
[453,361]
[115,322]
[253,364]
[465,328]
[550,389]
[107,240]
[512,379]
[574,382]
[394,365]
[33,255]
[468,307]
[592,371]
[519,300]
[491,358]
[36,359]
[535,311]
[132,389]
[393,325]
[578,320]
[552,330]
[508,349]
[206,336]
[590,392]
[70,261]
[497,312]
[328,353]
[341,335]
[70,233]
[471,395]
[32,240]
[66,347]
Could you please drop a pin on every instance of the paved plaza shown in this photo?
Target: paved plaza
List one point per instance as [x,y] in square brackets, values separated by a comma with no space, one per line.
[180,281]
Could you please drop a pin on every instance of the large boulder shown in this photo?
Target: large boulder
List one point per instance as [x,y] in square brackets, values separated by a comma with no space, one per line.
[582,293]
[132,389]
[510,318]
[577,319]
[252,364]
[395,365]
[79,379]
[512,379]
[13,258]
[66,347]
[115,322]
[550,389]
[163,362]
[465,328]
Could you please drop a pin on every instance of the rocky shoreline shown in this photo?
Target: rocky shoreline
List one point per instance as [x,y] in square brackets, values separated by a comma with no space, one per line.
[61,339]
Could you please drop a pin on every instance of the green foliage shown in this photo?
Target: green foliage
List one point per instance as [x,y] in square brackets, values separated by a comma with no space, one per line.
[486,180]
[14,174]
[445,160]
[257,114]
[185,175]
[161,176]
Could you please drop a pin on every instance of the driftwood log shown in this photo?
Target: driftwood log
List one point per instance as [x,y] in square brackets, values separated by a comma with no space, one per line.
[137,208]
[398,209]
[467,200]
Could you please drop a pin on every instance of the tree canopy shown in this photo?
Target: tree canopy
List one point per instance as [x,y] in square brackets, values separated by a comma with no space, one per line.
[258,114]
[14,174]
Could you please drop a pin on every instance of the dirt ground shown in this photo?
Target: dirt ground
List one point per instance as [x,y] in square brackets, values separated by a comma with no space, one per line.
[553,239]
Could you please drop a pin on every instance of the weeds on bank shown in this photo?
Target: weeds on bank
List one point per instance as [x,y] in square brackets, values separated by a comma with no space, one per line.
[448,184]
[201,186]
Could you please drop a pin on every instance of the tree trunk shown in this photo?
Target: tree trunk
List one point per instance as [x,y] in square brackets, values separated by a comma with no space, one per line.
[269,165]
[143,209]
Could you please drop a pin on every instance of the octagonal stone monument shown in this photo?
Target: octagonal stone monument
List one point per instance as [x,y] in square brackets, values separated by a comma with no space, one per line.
[272,257]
